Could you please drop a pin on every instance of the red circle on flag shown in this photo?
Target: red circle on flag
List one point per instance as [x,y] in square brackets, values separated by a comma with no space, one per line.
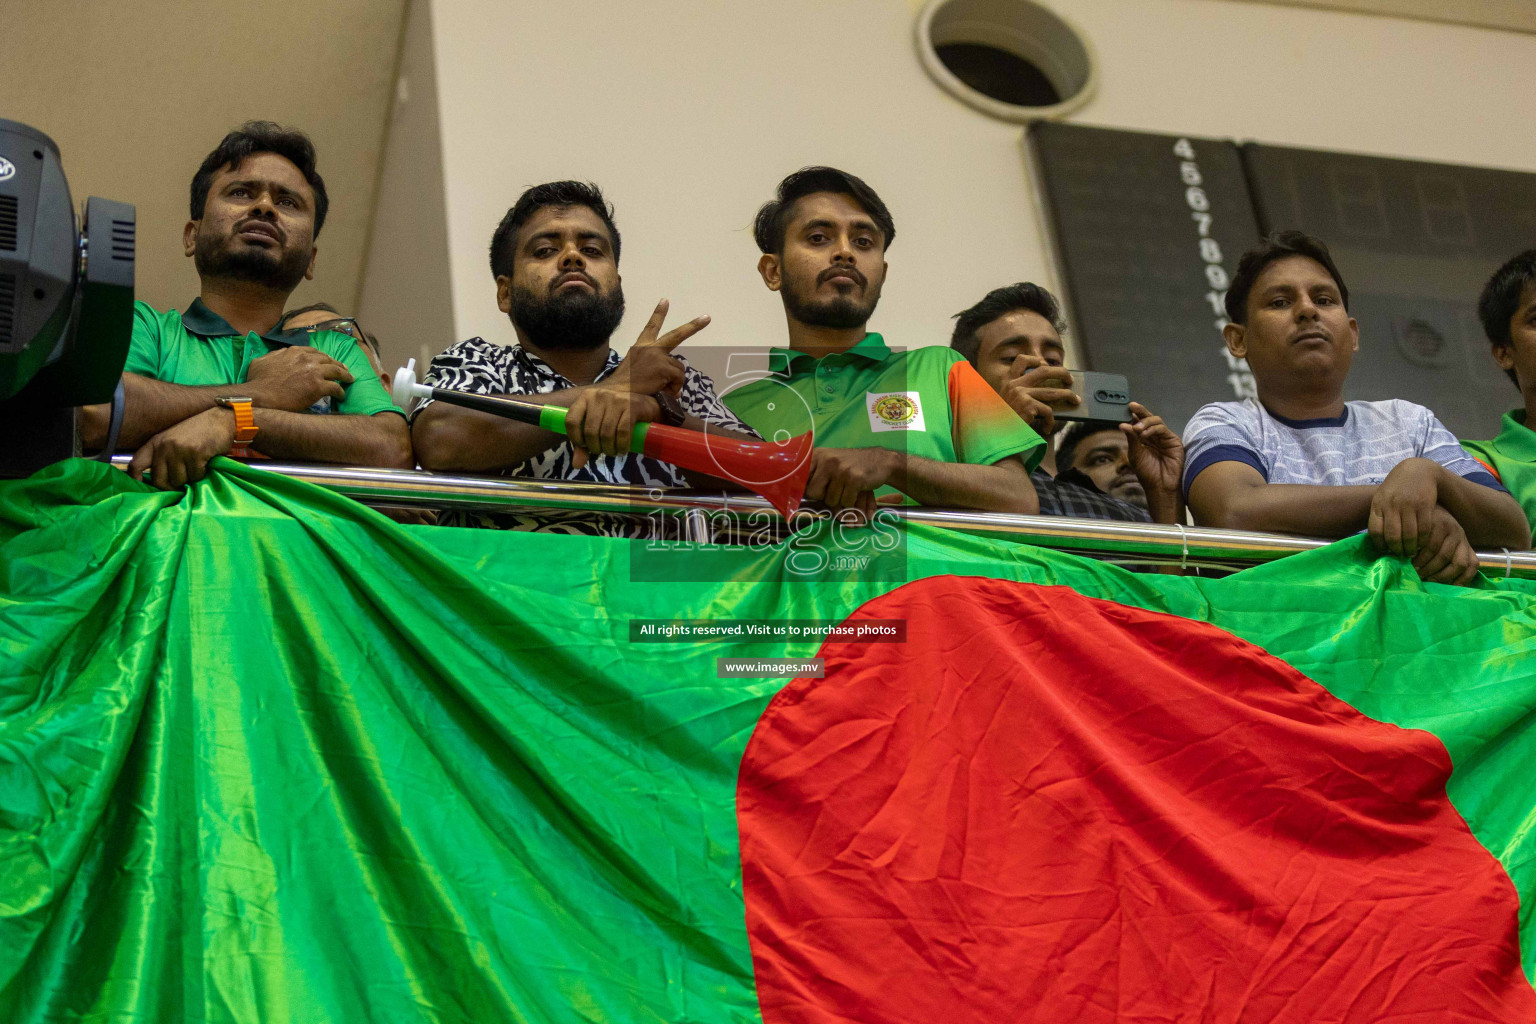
[1047,807]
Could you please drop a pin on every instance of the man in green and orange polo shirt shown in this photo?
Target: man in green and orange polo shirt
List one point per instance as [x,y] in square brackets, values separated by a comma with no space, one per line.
[921,422]
[198,383]
[1507,309]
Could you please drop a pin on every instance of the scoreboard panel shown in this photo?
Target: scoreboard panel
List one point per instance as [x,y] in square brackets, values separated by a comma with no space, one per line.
[1147,229]
[1415,242]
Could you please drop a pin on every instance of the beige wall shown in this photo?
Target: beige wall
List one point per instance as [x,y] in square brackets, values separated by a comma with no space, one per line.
[136,95]
[404,298]
[687,113]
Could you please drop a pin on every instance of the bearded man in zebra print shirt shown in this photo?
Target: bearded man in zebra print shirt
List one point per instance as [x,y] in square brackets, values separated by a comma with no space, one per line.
[555,260]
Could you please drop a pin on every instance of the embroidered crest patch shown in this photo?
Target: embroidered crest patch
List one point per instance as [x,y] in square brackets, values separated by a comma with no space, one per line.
[894,410]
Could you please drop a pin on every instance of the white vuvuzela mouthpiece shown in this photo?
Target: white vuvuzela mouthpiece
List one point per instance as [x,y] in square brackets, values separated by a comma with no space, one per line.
[406,390]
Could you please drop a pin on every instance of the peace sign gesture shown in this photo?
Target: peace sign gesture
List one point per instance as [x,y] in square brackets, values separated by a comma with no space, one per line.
[649,366]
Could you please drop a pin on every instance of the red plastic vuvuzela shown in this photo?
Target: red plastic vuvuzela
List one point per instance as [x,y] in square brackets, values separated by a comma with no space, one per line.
[775,470]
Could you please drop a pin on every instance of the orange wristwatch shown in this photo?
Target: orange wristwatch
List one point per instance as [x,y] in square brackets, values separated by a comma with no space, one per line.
[245,423]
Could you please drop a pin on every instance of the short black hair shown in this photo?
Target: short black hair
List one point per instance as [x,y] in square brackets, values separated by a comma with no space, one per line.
[261,137]
[312,307]
[551,193]
[326,307]
[1500,300]
[1074,435]
[1000,302]
[1278,246]
[772,221]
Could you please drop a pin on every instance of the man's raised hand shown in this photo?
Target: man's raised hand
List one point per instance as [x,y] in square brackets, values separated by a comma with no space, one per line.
[1035,390]
[1157,458]
[649,366]
[1156,452]
[601,419]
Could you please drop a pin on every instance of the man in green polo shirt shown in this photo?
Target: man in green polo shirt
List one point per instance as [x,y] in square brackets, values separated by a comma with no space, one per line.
[257,205]
[1507,309]
[920,422]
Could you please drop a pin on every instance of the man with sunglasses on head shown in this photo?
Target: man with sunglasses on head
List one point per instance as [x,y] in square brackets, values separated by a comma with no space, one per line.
[322,316]
[223,377]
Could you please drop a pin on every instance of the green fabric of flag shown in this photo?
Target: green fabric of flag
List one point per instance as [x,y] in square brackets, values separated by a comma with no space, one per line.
[266,756]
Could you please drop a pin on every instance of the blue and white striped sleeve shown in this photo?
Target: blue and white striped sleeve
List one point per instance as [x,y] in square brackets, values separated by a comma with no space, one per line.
[1220,432]
[1440,444]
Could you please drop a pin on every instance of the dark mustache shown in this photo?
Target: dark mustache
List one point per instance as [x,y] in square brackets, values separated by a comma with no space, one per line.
[852,272]
[250,221]
[572,275]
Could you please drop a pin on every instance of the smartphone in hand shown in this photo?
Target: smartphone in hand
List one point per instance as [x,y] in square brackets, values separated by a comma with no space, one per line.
[1105,396]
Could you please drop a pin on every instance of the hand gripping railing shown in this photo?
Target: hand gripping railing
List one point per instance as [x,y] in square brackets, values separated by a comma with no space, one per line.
[710,516]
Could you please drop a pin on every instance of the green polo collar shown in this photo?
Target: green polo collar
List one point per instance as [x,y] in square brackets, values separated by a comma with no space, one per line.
[1516,441]
[871,349]
[205,323]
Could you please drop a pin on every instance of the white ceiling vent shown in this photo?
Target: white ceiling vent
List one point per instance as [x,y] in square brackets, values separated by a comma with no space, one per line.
[1012,59]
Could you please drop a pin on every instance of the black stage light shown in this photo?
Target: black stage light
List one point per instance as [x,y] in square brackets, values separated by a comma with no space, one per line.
[66,302]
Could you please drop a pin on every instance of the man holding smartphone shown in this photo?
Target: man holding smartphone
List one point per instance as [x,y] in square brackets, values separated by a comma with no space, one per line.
[1013,339]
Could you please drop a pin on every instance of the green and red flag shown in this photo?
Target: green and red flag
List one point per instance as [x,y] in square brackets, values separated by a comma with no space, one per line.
[265,756]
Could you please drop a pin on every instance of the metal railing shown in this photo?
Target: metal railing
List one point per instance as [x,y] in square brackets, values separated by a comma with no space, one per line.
[717,517]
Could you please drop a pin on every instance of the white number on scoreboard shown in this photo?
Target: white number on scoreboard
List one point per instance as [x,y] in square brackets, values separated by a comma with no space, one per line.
[1216,279]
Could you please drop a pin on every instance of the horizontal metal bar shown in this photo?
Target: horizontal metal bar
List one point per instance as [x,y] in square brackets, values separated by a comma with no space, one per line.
[1152,541]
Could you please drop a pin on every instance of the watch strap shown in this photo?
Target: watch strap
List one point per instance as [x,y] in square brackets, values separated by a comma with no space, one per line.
[245,424]
[672,414]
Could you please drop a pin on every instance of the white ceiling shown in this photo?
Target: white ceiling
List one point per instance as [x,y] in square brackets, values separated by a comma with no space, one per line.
[1518,15]
[137,93]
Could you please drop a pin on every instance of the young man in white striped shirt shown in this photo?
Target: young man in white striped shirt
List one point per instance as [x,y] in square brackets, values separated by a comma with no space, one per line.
[1299,459]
